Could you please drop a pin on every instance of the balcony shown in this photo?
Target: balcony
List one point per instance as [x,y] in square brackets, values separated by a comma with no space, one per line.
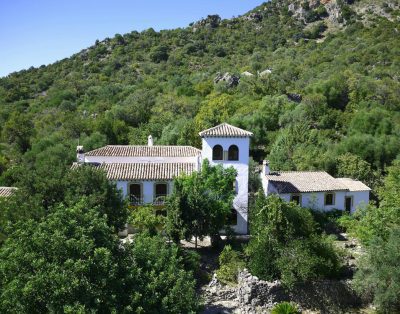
[136,201]
[159,200]
[139,201]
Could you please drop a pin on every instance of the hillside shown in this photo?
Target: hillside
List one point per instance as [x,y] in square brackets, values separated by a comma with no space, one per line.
[316,81]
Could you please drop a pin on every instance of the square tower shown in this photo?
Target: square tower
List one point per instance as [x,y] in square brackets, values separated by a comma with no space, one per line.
[229,145]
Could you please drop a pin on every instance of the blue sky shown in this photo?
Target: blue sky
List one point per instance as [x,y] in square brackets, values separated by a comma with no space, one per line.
[36,32]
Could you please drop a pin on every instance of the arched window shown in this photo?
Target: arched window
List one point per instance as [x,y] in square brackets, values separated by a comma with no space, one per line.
[233,153]
[218,153]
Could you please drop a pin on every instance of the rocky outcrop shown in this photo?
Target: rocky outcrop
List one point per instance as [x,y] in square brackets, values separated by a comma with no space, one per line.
[211,21]
[231,80]
[328,296]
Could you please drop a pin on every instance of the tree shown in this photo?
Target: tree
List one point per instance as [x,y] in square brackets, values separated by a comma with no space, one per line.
[352,166]
[285,244]
[73,261]
[159,53]
[378,276]
[200,203]
[18,131]
[69,259]
[145,219]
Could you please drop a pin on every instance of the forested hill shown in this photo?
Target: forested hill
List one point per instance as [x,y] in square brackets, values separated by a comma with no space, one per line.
[317,82]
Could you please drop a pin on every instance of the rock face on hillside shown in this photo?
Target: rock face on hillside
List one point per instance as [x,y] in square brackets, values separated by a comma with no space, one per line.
[231,80]
[253,296]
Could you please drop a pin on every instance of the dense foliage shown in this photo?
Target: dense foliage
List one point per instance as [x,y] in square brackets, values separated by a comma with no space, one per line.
[40,195]
[230,262]
[73,262]
[379,273]
[320,99]
[315,97]
[378,228]
[285,244]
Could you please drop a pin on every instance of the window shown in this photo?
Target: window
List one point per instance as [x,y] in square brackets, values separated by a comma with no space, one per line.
[160,193]
[233,153]
[218,153]
[296,198]
[161,189]
[329,199]
[135,193]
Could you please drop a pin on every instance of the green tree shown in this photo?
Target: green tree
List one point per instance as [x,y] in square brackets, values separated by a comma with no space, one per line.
[200,203]
[285,244]
[72,261]
[18,130]
[378,276]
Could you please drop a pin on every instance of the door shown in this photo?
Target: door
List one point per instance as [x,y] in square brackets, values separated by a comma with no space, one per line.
[348,202]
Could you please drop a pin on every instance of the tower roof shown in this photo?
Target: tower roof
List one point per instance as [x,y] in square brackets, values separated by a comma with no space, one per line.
[225,130]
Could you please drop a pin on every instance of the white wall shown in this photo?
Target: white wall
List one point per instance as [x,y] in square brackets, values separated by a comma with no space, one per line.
[148,189]
[240,203]
[317,200]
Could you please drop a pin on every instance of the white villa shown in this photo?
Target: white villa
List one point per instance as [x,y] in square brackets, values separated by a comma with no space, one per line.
[145,174]
[315,189]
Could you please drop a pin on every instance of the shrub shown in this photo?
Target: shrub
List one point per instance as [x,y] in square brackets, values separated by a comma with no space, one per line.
[145,219]
[230,262]
[285,308]
[379,272]
[285,244]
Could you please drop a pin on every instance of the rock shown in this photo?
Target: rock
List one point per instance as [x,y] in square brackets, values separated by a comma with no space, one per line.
[254,16]
[265,72]
[329,296]
[248,74]
[231,80]
[294,97]
[211,21]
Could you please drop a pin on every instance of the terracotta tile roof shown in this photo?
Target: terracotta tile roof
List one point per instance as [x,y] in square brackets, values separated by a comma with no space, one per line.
[142,171]
[353,185]
[145,151]
[225,130]
[304,181]
[6,191]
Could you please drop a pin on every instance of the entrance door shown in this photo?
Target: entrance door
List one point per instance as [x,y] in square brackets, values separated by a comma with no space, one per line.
[348,202]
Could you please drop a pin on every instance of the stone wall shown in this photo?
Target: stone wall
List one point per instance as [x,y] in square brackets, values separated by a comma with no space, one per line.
[326,296]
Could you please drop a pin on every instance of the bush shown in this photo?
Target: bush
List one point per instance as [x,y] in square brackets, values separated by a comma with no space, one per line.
[230,262]
[378,276]
[286,246]
[146,219]
[72,261]
[285,308]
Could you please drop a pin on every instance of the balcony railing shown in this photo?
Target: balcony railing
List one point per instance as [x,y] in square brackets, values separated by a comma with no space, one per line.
[136,201]
[159,200]
[139,201]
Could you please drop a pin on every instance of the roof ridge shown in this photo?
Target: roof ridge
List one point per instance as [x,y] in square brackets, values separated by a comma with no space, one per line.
[226,129]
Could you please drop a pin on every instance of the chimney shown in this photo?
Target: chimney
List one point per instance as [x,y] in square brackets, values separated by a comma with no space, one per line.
[265,168]
[80,154]
[150,141]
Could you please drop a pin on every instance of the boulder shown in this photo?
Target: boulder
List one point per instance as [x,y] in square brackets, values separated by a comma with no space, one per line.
[231,80]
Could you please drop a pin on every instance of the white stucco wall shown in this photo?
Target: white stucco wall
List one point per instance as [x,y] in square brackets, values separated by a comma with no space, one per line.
[240,203]
[148,188]
[316,200]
